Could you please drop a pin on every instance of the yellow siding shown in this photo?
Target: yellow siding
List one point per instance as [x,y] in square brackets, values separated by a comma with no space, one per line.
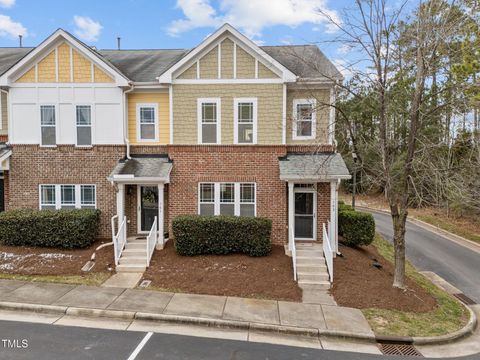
[64,73]
[265,73]
[100,76]
[209,65]
[82,68]
[227,59]
[47,69]
[28,77]
[162,100]
[245,64]
[190,73]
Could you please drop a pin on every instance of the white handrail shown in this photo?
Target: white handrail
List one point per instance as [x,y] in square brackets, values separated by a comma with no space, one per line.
[294,257]
[120,238]
[327,250]
[152,240]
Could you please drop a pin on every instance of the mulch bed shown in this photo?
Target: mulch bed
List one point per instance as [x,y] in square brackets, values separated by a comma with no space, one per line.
[231,275]
[22,260]
[360,285]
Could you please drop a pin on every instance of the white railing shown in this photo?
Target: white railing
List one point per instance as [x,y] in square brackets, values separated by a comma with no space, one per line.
[152,240]
[327,250]
[294,256]
[119,238]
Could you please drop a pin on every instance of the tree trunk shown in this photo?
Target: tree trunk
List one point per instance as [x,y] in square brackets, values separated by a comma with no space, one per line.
[399,222]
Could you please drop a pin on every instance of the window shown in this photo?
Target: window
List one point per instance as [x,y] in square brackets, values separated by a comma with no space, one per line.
[209,121]
[245,121]
[67,197]
[207,199]
[304,119]
[84,125]
[236,199]
[147,122]
[47,122]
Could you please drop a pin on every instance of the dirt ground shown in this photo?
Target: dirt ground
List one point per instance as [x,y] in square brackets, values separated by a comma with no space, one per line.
[358,284]
[24,260]
[269,277]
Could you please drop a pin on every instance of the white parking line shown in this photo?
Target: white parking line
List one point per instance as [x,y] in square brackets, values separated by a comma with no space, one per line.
[140,346]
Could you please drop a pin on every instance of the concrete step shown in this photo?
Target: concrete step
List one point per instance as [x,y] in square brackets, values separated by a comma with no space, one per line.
[133,260]
[310,262]
[311,269]
[134,252]
[131,268]
[312,277]
[320,285]
[309,246]
[309,253]
[136,245]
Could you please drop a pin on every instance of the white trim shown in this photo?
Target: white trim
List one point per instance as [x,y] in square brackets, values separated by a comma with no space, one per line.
[287,75]
[313,191]
[92,72]
[58,195]
[234,60]
[237,200]
[236,101]
[312,102]
[36,73]
[218,123]
[138,124]
[226,81]
[219,61]
[170,111]
[284,115]
[91,124]
[313,179]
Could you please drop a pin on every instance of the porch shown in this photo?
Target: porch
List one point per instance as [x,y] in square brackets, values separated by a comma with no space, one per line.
[138,228]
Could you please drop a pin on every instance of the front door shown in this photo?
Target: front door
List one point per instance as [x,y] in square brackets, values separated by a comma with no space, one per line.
[148,207]
[305,215]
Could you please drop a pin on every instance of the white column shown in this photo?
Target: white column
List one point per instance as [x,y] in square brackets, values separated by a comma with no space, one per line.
[160,216]
[291,218]
[120,202]
[333,216]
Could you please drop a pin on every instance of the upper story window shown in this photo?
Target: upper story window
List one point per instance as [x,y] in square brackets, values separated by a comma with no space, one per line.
[147,122]
[67,197]
[304,119]
[208,113]
[236,199]
[84,125]
[48,125]
[245,121]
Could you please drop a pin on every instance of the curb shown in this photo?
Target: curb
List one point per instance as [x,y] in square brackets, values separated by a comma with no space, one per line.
[235,324]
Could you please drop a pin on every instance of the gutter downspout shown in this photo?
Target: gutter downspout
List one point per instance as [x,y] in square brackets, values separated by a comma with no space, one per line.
[125,119]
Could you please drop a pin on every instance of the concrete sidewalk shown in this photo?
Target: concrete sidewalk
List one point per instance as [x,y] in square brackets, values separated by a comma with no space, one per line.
[279,316]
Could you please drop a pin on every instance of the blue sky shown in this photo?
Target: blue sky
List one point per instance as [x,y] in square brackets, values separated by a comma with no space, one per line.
[169,23]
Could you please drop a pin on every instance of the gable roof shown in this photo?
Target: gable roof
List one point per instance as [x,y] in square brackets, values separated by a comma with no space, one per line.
[304,61]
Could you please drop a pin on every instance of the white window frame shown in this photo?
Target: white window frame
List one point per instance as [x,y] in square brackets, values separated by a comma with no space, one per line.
[55,106]
[77,126]
[216,199]
[155,110]
[58,195]
[218,102]
[254,102]
[312,102]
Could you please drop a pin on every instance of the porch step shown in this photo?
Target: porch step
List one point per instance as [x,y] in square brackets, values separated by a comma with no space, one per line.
[310,261]
[311,269]
[133,260]
[131,268]
[309,253]
[320,285]
[319,277]
[134,252]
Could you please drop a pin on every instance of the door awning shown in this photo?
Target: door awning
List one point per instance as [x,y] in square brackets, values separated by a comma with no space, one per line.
[313,167]
[146,169]
[5,153]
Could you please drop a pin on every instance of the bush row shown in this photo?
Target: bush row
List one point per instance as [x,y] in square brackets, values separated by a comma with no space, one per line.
[49,228]
[219,235]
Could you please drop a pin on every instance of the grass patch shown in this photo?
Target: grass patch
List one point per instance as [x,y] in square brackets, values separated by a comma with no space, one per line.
[93,279]
[444,224]
[448,317]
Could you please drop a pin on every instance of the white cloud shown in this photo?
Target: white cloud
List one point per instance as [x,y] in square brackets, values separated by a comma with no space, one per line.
[86,28]
[11,28]
[344,49]
[7,3]
[252,16]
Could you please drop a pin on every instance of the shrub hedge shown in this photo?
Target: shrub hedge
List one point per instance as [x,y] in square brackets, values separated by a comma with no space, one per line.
[356,227]
[219,235]
[49,228]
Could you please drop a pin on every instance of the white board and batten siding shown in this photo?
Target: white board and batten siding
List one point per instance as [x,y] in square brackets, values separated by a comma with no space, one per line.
[107,112]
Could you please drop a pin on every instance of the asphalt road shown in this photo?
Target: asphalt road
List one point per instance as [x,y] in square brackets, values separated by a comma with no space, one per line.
[64,342]
[428,251]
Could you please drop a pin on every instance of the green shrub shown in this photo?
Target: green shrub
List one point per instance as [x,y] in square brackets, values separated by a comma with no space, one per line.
[356,227]
[219,235]
[49,228]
